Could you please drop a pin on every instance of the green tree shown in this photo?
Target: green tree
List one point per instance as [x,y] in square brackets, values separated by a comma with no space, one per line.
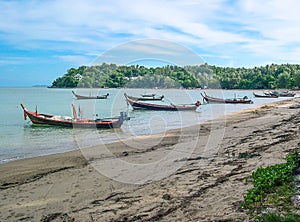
[213,84]
[111,75]
[297,79]
[283,80]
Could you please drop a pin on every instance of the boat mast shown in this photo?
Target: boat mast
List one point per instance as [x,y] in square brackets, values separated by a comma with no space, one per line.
[74,112]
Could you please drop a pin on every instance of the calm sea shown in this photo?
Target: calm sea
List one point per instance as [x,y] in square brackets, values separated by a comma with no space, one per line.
[20,139]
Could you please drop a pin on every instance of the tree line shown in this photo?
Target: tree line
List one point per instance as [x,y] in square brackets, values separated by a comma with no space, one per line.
[198,76]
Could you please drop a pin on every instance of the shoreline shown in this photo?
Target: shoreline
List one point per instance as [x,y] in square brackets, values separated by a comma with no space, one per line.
[140,136]
[207,185]
[5,161]
[28,142]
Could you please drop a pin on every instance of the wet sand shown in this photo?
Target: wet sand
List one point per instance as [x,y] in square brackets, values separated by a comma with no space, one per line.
[192,174]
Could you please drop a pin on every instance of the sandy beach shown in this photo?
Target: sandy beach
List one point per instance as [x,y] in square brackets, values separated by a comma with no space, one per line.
[195,173]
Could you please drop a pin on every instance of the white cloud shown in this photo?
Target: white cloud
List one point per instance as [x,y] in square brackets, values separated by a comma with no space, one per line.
[14,60]
[76,59]
[245,28]
[82,21]
[150,49]
[276,21]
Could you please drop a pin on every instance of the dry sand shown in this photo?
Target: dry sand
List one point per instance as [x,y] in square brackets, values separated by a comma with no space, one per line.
[193,174]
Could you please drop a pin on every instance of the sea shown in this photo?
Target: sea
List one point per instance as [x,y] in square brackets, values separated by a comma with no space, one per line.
[21,139]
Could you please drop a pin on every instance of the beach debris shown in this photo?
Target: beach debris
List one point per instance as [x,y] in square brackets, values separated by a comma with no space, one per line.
[166,197]
[59,216]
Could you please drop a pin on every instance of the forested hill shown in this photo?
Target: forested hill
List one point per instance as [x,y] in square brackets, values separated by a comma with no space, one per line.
[135,76]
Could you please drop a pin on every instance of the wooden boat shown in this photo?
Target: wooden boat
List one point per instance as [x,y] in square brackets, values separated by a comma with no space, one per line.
[90,97]
[210,99]
[151,97]
[67,121]
[285,93]
[148,95]
[265,95]
[138,105]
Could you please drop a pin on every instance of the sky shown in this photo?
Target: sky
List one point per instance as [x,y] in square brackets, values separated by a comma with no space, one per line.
[41,40]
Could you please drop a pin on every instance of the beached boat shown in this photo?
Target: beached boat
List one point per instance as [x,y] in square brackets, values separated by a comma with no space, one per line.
[148,95]
[280,93]
[210,99]
[265,95]
[151,97]
[138,105]
[67,121]
[90,97]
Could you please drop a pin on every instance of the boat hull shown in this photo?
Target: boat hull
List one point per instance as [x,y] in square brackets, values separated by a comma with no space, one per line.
[265,96]
[146,98]
[90,97]
[79,124]
[281,93]
[210,99]
[46,119]
[138,105]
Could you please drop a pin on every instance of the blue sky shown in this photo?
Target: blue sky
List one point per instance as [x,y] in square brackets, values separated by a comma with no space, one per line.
[40,40]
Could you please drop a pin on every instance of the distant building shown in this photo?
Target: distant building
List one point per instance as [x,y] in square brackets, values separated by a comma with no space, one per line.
[78,76]
[131,78]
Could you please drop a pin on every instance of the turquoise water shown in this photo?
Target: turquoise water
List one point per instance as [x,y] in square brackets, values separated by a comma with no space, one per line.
[20,139]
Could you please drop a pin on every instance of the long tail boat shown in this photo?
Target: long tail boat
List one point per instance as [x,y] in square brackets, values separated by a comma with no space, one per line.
[281,93]
[67,121]
[138,105]
[90,97]
[265,95]
[210,99]
[151,97]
